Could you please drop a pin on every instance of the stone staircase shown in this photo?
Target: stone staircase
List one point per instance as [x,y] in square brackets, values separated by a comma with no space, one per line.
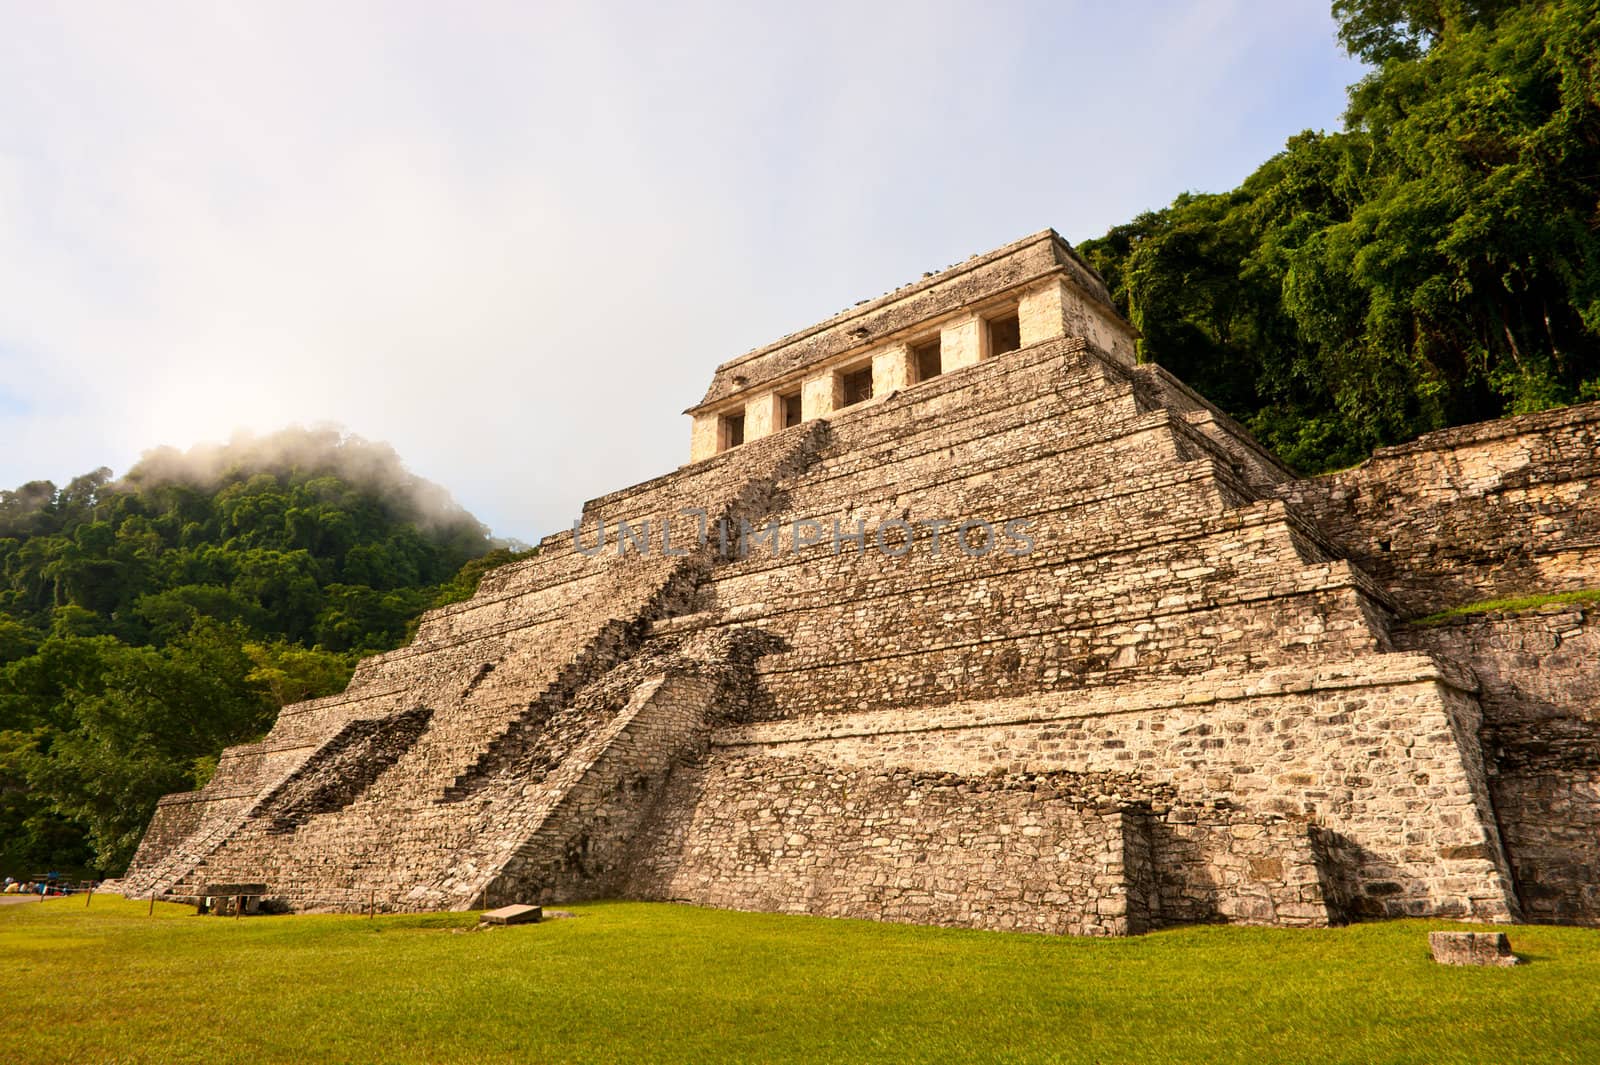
[616,641]
[345,762]
[564,830]
[365,815]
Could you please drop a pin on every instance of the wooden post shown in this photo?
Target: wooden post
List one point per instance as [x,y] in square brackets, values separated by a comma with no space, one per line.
[372,905]
[238,907]
[152,912]
[87,898]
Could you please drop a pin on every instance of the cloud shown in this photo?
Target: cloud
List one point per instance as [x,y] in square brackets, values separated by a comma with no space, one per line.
[319,451]
[513,240]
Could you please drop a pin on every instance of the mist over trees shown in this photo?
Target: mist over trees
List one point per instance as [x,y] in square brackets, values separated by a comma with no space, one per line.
[148,622]
[1436,263]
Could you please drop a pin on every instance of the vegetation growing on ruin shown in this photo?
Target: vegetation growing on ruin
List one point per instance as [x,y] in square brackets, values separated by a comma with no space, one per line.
[1512,605]
[1435,263]
[649,982]
[148,622]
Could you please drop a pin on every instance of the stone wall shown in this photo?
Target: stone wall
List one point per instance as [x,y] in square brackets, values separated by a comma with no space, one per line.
[349,763]
[1215,862]
[1501,508]
[796,835]
[1079,853]
[1381,756]
[177,817]
[1540,676]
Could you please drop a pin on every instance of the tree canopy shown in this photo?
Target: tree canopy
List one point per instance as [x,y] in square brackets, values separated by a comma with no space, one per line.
[148,622]
[1436,262]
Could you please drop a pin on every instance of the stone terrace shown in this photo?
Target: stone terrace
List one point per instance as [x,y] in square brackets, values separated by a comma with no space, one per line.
[1169,683]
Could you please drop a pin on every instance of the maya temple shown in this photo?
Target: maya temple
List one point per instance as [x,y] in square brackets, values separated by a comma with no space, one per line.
[958,614]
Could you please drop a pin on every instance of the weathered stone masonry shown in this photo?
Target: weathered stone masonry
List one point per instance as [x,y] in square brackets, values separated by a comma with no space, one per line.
[1539,672]
[1199,696]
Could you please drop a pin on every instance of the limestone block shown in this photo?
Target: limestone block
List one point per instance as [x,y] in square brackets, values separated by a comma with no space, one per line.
[763,416]
[508,915]
[891,370]
[1039,314]
[1471,948]
[234,889]
[962,343]
[819,396]
[703,437]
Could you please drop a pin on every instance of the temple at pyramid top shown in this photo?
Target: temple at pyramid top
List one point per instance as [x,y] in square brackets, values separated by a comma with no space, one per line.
[1031,290]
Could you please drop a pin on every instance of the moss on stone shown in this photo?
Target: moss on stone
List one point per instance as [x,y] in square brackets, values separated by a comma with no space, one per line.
[1513,605]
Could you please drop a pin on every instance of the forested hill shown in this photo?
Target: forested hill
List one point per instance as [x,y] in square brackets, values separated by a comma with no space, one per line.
[1435,263]
[149,621]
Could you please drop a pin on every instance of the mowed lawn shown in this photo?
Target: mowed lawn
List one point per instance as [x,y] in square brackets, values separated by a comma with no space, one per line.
[632,982]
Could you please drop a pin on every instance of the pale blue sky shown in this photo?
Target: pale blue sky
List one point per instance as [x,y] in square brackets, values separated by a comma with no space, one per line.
[513,240]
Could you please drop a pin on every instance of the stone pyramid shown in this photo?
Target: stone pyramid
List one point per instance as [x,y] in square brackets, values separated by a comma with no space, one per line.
[960,615]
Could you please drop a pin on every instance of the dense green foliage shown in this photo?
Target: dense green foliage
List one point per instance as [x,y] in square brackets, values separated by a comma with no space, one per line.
[639,982]
[1436,263]
[147,623]
[1580,597]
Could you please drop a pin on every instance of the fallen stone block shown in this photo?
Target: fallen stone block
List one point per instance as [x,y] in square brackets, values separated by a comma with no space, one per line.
[1471,948]
[513,915]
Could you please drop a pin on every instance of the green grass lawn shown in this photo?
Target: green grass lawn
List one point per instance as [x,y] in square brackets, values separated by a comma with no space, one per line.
[634,982]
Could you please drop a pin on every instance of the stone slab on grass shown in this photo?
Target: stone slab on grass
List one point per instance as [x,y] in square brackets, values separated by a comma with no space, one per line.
[506,915]
[1471,948]
[218,890]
